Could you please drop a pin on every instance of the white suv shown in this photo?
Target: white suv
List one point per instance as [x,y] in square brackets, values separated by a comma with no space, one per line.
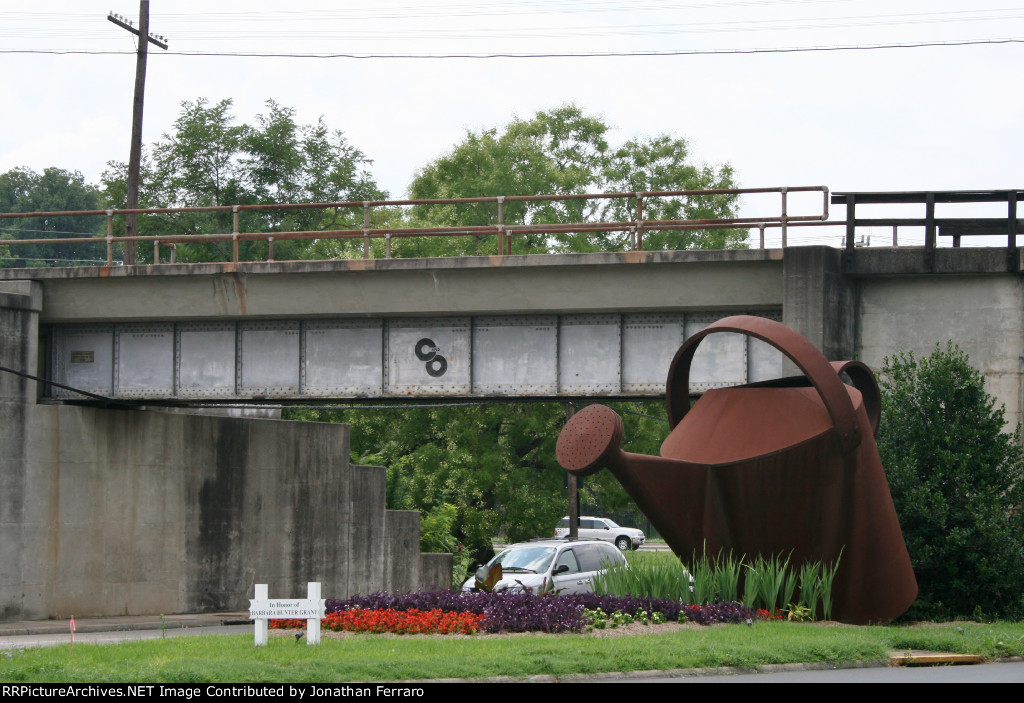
[556,565]
[605,529]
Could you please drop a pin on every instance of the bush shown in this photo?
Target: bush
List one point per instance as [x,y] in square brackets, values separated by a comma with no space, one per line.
[957,481]
[436,535]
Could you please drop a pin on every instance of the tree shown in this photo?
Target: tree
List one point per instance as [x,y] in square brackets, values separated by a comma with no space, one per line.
[24,190]
[563,152]
[211,160]
[661,163]
[957,481]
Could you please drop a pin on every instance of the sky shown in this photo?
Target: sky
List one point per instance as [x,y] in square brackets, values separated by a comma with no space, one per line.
[941,109]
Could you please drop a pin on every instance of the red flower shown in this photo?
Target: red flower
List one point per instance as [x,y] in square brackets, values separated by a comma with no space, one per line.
[407,622]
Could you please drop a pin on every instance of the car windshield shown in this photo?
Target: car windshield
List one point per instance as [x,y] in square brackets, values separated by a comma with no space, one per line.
[611,523]
[535,559]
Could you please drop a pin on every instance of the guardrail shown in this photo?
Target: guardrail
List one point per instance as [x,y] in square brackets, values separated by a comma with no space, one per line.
[934,227]
[955,227]
[504,232]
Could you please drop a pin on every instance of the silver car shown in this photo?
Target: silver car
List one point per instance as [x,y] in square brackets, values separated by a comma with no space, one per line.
[603,528]
[556,565]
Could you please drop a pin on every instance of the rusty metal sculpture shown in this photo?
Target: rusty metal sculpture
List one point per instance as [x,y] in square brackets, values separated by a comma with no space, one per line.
[780,467]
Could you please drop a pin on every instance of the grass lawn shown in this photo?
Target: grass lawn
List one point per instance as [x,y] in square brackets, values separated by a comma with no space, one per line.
[233,658]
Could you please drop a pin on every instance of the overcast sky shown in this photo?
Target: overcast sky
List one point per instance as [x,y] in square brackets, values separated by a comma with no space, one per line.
[908,118]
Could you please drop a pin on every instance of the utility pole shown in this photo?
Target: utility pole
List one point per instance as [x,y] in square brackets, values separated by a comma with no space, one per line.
[135,157]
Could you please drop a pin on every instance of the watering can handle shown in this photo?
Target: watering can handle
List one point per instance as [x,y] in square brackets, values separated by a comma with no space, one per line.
[811,362]
[863,379]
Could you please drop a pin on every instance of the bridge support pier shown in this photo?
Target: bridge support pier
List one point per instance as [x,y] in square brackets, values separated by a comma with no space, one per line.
[818,300]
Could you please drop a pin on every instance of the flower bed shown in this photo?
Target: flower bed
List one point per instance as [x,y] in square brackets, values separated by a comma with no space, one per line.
[444,612]
[399,622]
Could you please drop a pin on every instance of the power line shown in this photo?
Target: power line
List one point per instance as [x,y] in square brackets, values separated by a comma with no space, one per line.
[546,55]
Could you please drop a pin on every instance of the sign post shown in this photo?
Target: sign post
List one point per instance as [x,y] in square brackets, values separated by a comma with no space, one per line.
[263,609]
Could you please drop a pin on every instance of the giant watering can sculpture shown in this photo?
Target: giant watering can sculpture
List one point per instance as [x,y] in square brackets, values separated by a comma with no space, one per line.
[786,467]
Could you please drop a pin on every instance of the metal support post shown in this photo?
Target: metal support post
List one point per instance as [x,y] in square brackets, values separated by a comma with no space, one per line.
[785,216]
[501,225]
[234,233]
[639,223]
[110,237]
[366,229]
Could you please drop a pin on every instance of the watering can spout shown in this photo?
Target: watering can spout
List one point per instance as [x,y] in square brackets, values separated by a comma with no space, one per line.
[668,491]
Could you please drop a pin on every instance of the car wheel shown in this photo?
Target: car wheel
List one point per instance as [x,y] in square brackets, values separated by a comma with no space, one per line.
[623,543]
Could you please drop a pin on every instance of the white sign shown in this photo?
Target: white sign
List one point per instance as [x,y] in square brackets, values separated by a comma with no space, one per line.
[312,609]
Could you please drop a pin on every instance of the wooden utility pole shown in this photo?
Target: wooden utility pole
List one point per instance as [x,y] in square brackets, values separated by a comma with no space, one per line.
[135,157]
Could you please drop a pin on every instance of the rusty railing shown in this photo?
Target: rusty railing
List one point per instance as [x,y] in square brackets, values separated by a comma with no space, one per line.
[504,232]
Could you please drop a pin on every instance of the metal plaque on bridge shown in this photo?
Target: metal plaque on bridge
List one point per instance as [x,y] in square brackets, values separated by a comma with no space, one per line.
[86,359]
[589,354]
[515,355]
[269,360]
[144,360]
[343,358]
[205,359]
[428,357]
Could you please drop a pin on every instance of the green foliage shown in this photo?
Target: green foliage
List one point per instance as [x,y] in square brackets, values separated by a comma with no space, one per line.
[24,190]
[957,481]
[436,529]
[650,575]
[768,583]
[211,160]
[437,534]
[600,620]
[560,152]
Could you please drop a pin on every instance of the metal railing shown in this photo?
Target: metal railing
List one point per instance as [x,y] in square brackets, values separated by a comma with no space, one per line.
[504,232]
[934,227]
[955,227]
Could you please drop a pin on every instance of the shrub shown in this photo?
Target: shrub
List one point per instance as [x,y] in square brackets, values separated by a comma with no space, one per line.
[437,530]
[957,481]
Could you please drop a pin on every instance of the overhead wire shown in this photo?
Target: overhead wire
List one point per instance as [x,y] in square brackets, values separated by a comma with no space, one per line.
[315,26]
[539,55]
